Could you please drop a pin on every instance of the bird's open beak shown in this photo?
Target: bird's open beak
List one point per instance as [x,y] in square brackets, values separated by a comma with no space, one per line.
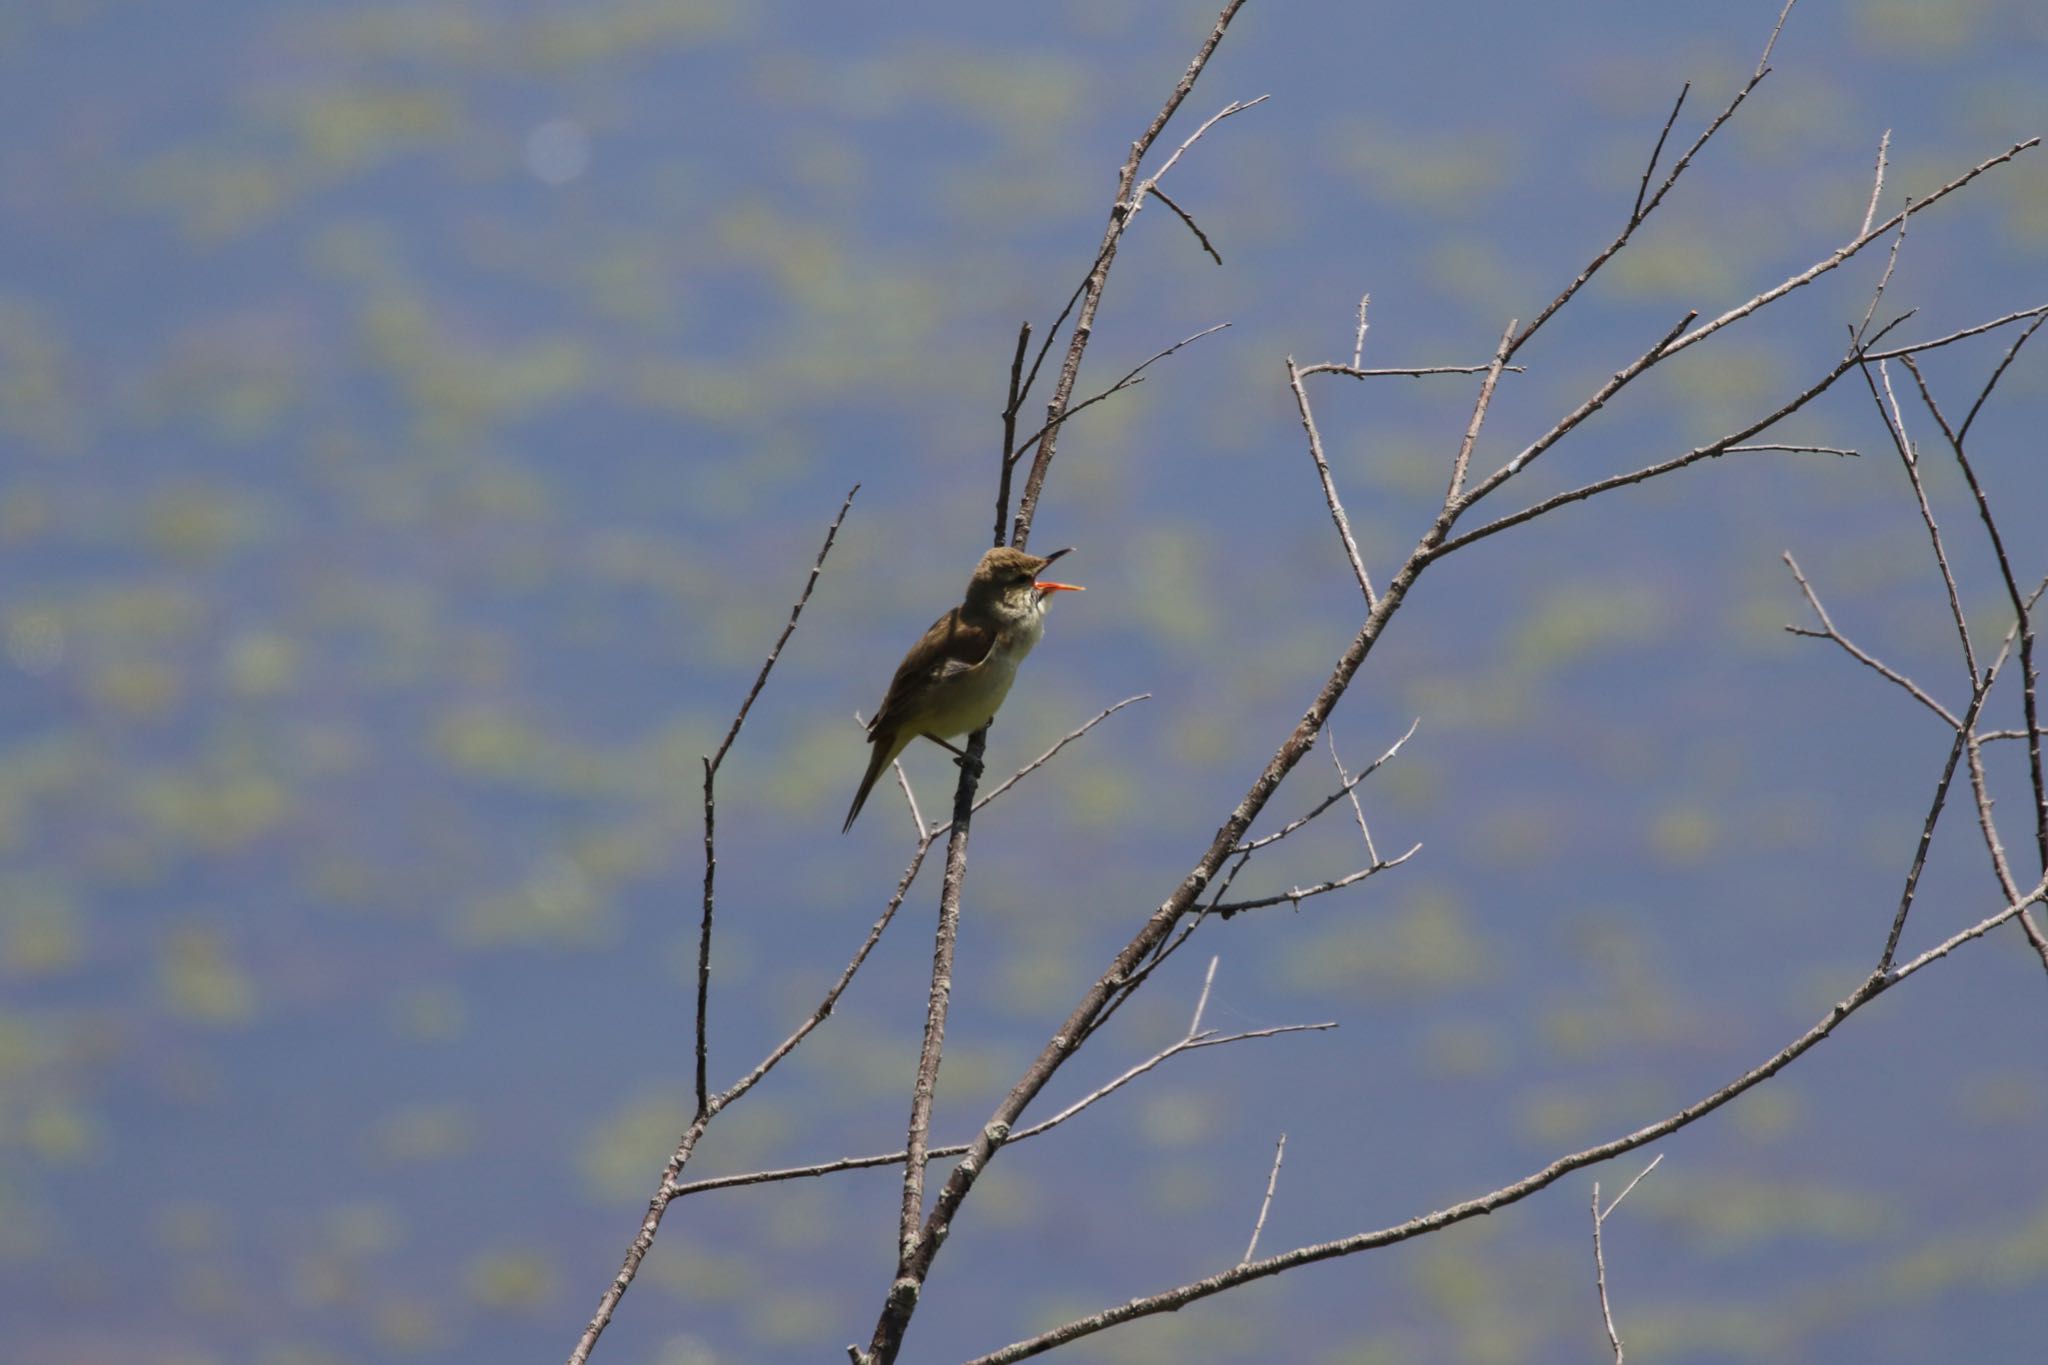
[1046,587]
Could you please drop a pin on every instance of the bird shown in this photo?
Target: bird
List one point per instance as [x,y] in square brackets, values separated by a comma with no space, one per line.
[953,680]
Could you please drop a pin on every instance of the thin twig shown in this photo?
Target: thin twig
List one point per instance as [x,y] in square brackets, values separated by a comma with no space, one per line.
[1600,1217]
[916,815]
[1193,226]
[1712,450]
[1013,403]
[2011,354]
[1195,1041]
[1630,1187]
[1635,212]
[1831,632]
[1408,371]
[1847,250]
[1133,377]
[1760,447]
[940,831]
[1358,342]
[1346,787]
[1615,383]
[1948,772]
[1644,208]
[1980,787]
[788,629]
[1921,347]
[1343,777]
[1485,400]
[1895,423]
[1297,894]
[1884,145]
[2022,608]
[1064,740]
[1150,185]
[1265,1205]
[711,765]
[1891,263]
[1336,505]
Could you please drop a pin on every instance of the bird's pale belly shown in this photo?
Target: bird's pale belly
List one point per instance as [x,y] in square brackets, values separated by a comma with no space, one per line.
[970,698]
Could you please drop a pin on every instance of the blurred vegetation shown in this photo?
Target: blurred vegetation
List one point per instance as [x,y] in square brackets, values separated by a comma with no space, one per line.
[418,417]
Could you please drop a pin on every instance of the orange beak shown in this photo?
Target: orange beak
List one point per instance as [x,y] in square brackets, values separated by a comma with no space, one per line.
[1046,587]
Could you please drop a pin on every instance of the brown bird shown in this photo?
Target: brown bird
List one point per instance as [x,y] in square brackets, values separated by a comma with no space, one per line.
[954,679]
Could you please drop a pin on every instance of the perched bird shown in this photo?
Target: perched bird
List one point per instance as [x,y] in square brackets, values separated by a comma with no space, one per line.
[953,679]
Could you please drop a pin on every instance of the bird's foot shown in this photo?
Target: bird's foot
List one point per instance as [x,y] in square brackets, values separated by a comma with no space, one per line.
[968,763]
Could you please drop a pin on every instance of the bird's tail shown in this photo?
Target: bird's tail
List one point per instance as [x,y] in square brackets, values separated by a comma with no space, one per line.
[884,751]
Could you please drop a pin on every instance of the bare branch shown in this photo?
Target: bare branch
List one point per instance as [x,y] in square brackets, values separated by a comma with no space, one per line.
[1981,789]
[1296,895]
[1479,407]
[1193,226]
[1635,212]
[937,1003]
[1202,1000]
[1919,347]
[1842,451]
[1135,376]
[1988,736]
[1600,1256]
[1336,505]
[1848,249]
[1265,1205]
[2022,607]
[1410,372]
[1358,344]
[1151,182]
[1615,383]
[761,678]
[1710,451]
[1089,296]
[1035,764]
[1630,1187]
[1195,1040]
[657,1207]
[1348,783]
[1891,263]
[1644,208]
[2011,354]
[1877,183]
[916,815]
[711,799]
[1012,405]
[1831,632]
[1180,1297]
[1344,778]
[1948,772]
[1895,423]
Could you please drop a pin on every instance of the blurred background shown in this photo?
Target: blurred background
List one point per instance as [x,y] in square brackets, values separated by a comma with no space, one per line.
[417,419]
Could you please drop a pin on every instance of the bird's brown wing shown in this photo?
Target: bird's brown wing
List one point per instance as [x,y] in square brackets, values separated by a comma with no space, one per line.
[952,644]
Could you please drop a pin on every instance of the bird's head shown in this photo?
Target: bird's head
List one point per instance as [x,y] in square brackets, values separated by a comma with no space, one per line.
[1007,582]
